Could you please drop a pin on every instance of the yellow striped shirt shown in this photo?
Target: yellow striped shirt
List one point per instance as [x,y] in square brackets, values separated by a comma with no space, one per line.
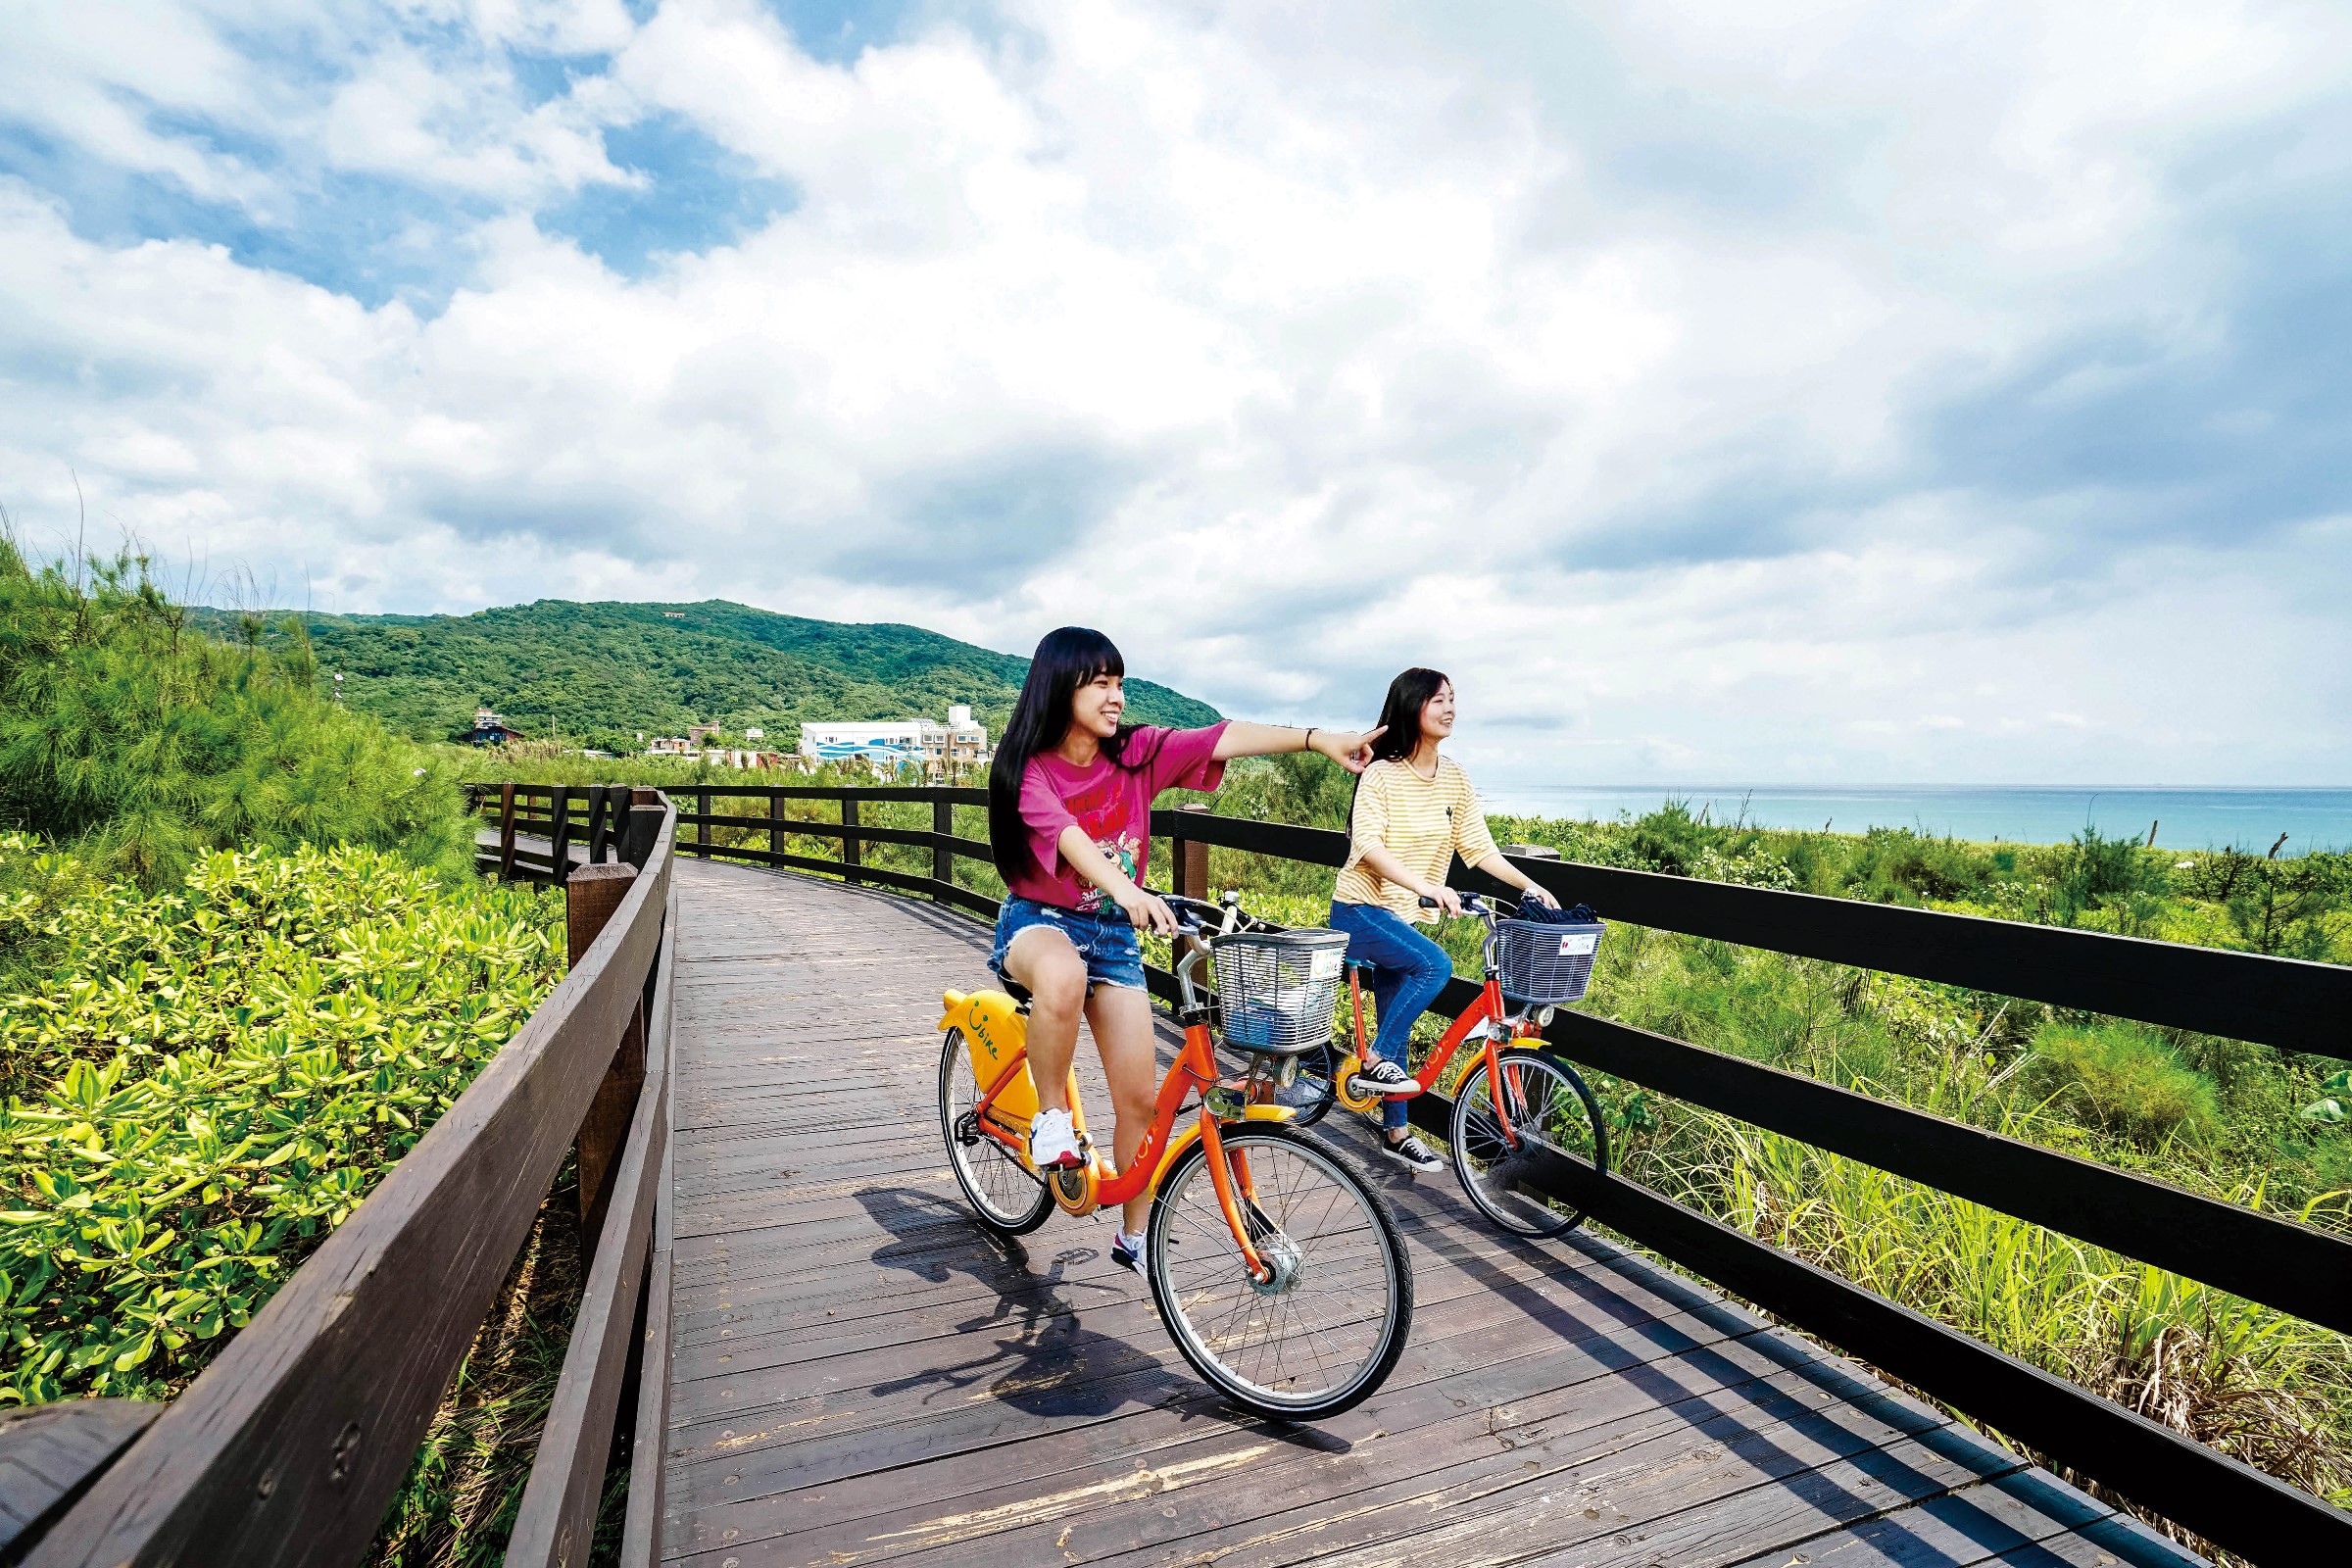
[1424,822]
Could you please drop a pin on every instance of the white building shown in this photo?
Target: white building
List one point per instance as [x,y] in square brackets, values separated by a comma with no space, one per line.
[938,749]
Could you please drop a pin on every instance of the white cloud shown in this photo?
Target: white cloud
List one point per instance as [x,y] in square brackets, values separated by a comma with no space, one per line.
[1612,365]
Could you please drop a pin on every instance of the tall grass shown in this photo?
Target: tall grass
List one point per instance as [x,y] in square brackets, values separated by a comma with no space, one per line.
[143,744]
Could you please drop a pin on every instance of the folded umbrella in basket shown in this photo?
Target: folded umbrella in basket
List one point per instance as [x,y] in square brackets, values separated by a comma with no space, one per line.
[1534,908]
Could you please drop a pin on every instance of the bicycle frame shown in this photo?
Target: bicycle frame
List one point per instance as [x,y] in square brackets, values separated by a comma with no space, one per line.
[1489,1011]
[1194,1069]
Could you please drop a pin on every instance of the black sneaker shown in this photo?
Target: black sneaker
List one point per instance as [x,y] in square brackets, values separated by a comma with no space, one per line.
[1381,1076]
[1412,1151]
[1125,1256]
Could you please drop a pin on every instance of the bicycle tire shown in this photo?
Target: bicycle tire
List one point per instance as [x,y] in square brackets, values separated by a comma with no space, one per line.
[996,1201]
[1568,1123]
[1300,1180]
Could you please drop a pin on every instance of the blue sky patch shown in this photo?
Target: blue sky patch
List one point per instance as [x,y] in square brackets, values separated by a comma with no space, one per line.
[837,31]
[372,238]
[697,195]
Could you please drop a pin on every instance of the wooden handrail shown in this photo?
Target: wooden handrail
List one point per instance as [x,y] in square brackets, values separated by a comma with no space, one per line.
[286,1449]
[557,1517]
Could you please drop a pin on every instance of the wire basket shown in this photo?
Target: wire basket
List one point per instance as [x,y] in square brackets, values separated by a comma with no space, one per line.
[1545,964]
[1276,989]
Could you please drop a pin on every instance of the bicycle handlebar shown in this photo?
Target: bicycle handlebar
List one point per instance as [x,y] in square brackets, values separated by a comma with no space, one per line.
[1473,903]
[1199,915]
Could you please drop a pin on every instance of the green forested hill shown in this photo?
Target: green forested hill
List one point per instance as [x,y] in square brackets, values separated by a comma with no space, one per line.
[599,673]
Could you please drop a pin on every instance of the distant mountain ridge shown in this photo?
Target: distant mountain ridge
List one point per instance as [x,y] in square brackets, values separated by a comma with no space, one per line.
[600,673]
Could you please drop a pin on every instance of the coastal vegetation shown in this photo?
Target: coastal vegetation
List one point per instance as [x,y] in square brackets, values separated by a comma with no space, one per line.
[144,741]
[245,964]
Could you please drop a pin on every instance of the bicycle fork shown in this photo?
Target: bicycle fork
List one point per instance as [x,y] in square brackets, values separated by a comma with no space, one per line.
[1231,1180]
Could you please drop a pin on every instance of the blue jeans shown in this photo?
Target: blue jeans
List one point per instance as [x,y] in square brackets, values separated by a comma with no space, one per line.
[1409,970]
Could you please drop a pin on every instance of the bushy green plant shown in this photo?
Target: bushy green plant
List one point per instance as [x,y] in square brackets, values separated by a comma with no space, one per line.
[207,1081]
[145,744]
[2126,1078]
[1896,865]
[2100,872]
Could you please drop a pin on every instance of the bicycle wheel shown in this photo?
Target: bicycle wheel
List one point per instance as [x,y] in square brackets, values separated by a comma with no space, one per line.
[1551,1111]
[1324,1332]
[1002,1193]
[1316,1088]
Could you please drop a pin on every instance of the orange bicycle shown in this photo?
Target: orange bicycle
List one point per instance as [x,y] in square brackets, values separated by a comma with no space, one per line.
[1278,1272]
[1517,1104]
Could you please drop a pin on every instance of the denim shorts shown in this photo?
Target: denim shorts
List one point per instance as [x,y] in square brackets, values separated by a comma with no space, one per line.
[1107,942]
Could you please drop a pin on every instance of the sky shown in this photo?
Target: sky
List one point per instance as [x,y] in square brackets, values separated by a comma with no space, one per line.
[1728,392]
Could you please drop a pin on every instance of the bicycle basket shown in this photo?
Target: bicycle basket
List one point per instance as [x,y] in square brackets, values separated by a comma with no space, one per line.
[1543,965]
[1276,989]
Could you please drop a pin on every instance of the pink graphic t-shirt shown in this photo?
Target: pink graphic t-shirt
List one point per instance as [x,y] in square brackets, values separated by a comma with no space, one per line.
[1111,804]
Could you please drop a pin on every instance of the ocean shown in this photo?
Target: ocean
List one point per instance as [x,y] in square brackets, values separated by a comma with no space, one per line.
[2183,818]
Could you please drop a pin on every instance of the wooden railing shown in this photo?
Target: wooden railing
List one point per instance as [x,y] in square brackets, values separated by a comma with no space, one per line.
[287,1448]
[2294,1006]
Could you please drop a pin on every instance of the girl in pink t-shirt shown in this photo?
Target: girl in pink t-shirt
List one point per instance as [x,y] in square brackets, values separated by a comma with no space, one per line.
[1069,819]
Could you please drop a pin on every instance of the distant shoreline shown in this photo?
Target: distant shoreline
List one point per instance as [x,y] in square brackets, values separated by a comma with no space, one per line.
[2185,818]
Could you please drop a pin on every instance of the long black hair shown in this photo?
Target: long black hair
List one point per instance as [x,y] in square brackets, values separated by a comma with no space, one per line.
[1065,660]
[1400,718]
[1408,694]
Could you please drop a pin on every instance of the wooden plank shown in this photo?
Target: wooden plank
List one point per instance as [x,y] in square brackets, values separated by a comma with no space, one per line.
[505,831]
[2287,1003]
[286,1449]
[2222,1498]
[556,1521]
[559,856]
[2265,1257]
[51,1454]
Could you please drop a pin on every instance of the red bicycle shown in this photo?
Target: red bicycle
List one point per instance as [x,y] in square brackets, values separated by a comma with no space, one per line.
[1518,1103]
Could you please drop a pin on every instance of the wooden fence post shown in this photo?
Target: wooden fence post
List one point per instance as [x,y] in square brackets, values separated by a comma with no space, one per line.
[644,827]
[702,810]
[590,896]
[1190,871]
[505,832]
[849,840]
[943,858]
[776,819]
[1189,876]
[560,861]
[600,831]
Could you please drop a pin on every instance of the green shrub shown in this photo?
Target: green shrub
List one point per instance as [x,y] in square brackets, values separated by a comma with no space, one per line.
[2123,1077]
[145,744]
[1896,865]
[210,1080]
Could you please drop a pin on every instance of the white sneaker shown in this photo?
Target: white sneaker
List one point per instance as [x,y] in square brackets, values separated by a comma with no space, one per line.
[1053,1141]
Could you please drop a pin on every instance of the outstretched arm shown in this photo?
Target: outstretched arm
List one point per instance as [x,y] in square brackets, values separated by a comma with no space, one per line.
[1345,747]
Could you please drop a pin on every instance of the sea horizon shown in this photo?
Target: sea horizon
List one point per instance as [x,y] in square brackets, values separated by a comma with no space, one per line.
[2248,818]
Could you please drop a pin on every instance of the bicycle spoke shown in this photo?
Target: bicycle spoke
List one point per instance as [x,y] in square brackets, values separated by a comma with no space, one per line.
[1316,1326]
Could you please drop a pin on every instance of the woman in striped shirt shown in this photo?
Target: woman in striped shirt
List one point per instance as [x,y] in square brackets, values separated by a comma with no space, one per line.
[1414,811]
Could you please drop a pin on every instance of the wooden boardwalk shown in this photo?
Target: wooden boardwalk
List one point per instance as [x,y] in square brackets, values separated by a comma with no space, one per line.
[863,1375]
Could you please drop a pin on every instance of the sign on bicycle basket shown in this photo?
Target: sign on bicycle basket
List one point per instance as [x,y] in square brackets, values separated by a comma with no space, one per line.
[1580,943]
